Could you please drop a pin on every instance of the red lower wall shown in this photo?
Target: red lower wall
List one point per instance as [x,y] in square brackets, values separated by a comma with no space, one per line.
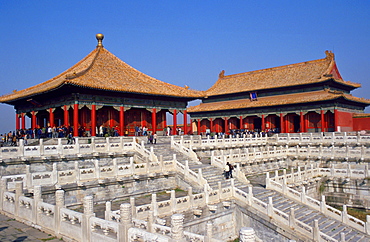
[344,121]
[361,124]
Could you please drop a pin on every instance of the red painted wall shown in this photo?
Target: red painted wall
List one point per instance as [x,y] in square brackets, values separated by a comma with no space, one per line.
[361,124]
[345,121]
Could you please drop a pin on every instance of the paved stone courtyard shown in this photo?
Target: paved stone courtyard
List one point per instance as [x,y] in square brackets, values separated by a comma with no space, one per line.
[11,230]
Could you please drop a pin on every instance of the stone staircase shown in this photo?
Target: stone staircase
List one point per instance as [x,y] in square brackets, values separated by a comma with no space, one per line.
[307,215]
[303,213]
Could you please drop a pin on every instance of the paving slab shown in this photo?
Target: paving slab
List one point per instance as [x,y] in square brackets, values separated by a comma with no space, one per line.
[14,231]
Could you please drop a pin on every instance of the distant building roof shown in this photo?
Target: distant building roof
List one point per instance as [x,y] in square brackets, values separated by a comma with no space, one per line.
[309,72]
[102,70]
[286,99]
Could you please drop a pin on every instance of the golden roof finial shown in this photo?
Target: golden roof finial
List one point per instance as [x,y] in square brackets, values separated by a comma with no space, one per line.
[100,38]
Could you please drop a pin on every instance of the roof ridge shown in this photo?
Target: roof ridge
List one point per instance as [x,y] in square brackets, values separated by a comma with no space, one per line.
[74,75]
[273,68]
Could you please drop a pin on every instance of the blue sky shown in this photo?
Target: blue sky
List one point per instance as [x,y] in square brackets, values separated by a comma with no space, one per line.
[180,42]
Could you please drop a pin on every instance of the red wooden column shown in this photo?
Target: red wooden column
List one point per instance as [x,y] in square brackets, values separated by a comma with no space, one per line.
[198,127]
[17,126]
[185,122]
[226,125]
[302,128]
[23,116]
[122,120]
[65,116]
[282,123]
[75,119]
[336,117]
[211,124]
[51,117]
[263,125]
[174,122]
[191,126]
[154,120]
[33,121]
[93,120]
[241,122]
[322,121]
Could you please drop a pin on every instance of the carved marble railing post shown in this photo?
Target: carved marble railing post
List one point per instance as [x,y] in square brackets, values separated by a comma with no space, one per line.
[125,223]
[292,222]
[344,215]
[200,177]
[315,230]
[268,184]
[173,200]
[97,169]
[77,145]
[177,228]
[250,196]
[270,207]
[191,197]
[150,222]
[77,171]
[21,147]
[18,193]
[285,188]
[88,213]
[37,197]
[108,210]
[28,181]
[323,205]
[209,228]
[367,224]
[132,167]
[366,170]
[247,234]
[60,147]
[186,171]
[54,174]
[219,186]
[342,237]
[41,146]
[2,190]
[206,193]
[154,204]
[59,203]
[303,195]
[133,207]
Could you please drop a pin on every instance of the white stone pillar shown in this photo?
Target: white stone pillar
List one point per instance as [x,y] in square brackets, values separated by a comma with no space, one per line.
[77,171]
[177,227]
[28,181]
[154,204]
[344,215]
[125,223]
[323,205]
[88,213]
[316,230]
[37,197]
[191,197]
[59,203]
[268,184]
[367,224]
[250,196]
[54,175]
[209,228]
[108,210]
[247,234]
[18,193]
[133,207]
[150,222]
[292,222]
[2,190]
[270,207]
[173,200]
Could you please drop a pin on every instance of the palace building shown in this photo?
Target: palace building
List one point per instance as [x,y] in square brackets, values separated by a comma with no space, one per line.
[102,90]
[304,97]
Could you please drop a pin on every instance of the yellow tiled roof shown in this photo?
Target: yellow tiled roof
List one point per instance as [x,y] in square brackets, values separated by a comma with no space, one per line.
[315,71]
[297,98]
[102,70]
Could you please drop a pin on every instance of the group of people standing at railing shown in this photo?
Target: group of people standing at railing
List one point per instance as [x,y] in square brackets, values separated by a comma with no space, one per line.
[233,133]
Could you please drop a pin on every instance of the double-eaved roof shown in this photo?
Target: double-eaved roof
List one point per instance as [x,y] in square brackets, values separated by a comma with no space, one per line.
[309,72]
[102,70]
[276,100]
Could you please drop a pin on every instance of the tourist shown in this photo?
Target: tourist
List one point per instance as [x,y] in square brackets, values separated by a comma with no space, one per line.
[227,170]
[155,138]
[231,168]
